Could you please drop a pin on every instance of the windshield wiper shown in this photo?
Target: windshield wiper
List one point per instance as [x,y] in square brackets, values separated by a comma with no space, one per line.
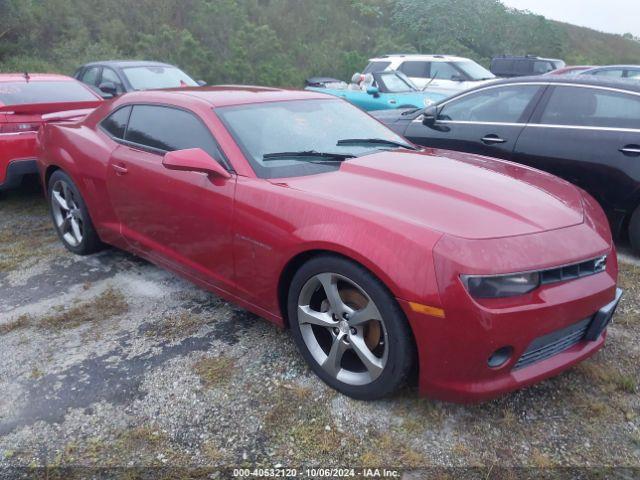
[375,141]
[328,156]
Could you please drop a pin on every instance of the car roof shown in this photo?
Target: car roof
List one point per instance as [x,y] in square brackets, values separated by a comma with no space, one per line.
[127,63]
[35,77]
[604,67]
[419,56]
[525,57]
[588,80]
[227,95]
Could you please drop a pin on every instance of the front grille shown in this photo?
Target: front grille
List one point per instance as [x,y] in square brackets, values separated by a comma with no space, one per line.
[552,344]
[576,270]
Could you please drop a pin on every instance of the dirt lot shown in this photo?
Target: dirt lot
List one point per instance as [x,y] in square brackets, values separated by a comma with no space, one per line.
[110,361]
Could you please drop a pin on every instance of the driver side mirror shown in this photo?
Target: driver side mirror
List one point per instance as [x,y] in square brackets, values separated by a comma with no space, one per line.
[430,116]
[109,88]
[194,160]
[375,91]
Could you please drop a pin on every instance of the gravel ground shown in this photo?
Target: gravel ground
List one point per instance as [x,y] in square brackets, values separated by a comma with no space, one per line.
[109,361]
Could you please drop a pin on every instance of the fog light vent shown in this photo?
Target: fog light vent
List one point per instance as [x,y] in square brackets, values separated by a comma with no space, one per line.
[500,357]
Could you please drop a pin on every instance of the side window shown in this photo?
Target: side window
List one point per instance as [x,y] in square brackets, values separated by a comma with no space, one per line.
[90,75]
[635,74]
[116,123]
[500,105]
[522,66]
[168,129]
[415,69]
[375,67]
[109,75]
[444,71]
[590,107]
[542,67]
[611,72]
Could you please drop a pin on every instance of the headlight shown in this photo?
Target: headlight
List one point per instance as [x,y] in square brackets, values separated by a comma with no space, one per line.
[499,286]
[428,102]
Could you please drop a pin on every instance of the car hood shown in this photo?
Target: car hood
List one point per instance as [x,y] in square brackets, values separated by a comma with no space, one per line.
[459,194]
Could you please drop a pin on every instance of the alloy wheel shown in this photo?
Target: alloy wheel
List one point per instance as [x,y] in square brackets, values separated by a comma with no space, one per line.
[343,329]
[66,213]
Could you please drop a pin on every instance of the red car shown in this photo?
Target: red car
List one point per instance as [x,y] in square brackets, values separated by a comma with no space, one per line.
[382,259]
[24,98]
[571,70]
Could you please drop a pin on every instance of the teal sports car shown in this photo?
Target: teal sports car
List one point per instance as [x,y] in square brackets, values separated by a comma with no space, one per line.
[379,91]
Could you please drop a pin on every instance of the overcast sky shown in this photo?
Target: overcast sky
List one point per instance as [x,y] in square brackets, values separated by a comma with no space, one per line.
[615,16]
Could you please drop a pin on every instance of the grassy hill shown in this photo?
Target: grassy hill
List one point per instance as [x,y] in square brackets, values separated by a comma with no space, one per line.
[587,46]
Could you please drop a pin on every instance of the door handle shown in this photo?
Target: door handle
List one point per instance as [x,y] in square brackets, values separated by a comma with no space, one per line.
[493,139]
[120,169]
[631,150]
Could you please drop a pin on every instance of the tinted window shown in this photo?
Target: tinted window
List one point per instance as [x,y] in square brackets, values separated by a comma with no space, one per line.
[502,66]
[145,78]
[374,67]
[90,75]
[168,129]
[591,107]
[108,75]
[20,93]
[415,69]
[522,67]
[503,105]
[116,123]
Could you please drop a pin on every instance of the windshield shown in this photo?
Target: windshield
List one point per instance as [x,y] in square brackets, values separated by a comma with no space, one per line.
[474,71]
[147,78]
[22,93]
[302,126]
[395,82]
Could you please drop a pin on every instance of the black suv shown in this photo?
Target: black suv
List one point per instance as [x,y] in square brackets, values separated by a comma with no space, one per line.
[584,129]
[507,66]
[114,77]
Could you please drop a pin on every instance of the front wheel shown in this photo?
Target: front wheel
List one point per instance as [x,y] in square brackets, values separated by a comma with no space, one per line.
[70,216]
[349,328]
[634,231]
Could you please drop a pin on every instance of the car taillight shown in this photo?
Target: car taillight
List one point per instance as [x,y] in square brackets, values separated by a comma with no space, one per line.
[19,127]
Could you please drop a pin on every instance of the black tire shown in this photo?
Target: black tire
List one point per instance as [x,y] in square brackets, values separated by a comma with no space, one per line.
[90,242]
[401,353]
[634,231]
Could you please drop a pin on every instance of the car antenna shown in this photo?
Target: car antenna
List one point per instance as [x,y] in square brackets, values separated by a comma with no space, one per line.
[429,82]
[26,76]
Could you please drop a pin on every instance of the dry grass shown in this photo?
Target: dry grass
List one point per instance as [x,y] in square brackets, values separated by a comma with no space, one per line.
[23,321]
[177,326]
[610,378]
[109,303]
[214,371]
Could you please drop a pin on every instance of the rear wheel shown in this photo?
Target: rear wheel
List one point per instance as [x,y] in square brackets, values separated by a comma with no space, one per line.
[634,231]
[349,328]
[70,216]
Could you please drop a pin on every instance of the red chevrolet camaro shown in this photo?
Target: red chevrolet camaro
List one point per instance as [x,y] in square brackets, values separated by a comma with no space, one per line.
[24,99]
[383,260]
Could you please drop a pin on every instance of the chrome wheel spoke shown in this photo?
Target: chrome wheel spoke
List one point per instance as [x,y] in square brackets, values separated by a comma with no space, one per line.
[334,359]
[373,364]
[308,316]
[369,312]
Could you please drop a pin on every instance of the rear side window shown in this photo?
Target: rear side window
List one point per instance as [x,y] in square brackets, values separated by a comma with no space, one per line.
[21,93]
[611,72]
[375,67]
[500,105]
[167,129]
[522,67]
[90,75]
[501,66]
[444,71]
[116,123]
[415,69]
[590,107]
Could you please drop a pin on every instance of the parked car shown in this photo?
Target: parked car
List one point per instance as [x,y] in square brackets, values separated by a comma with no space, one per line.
[382,259]
[444,74]
[572,70]
[507,66]
[584,129]
[627,72]
[379,91]
[115,77]
[24,98]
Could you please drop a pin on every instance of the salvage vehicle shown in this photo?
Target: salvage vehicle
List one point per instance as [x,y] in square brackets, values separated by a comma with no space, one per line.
[383,260]
[115,77]
[584,129]
[507,66]
[24,99]
[443,74]
[378,91]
